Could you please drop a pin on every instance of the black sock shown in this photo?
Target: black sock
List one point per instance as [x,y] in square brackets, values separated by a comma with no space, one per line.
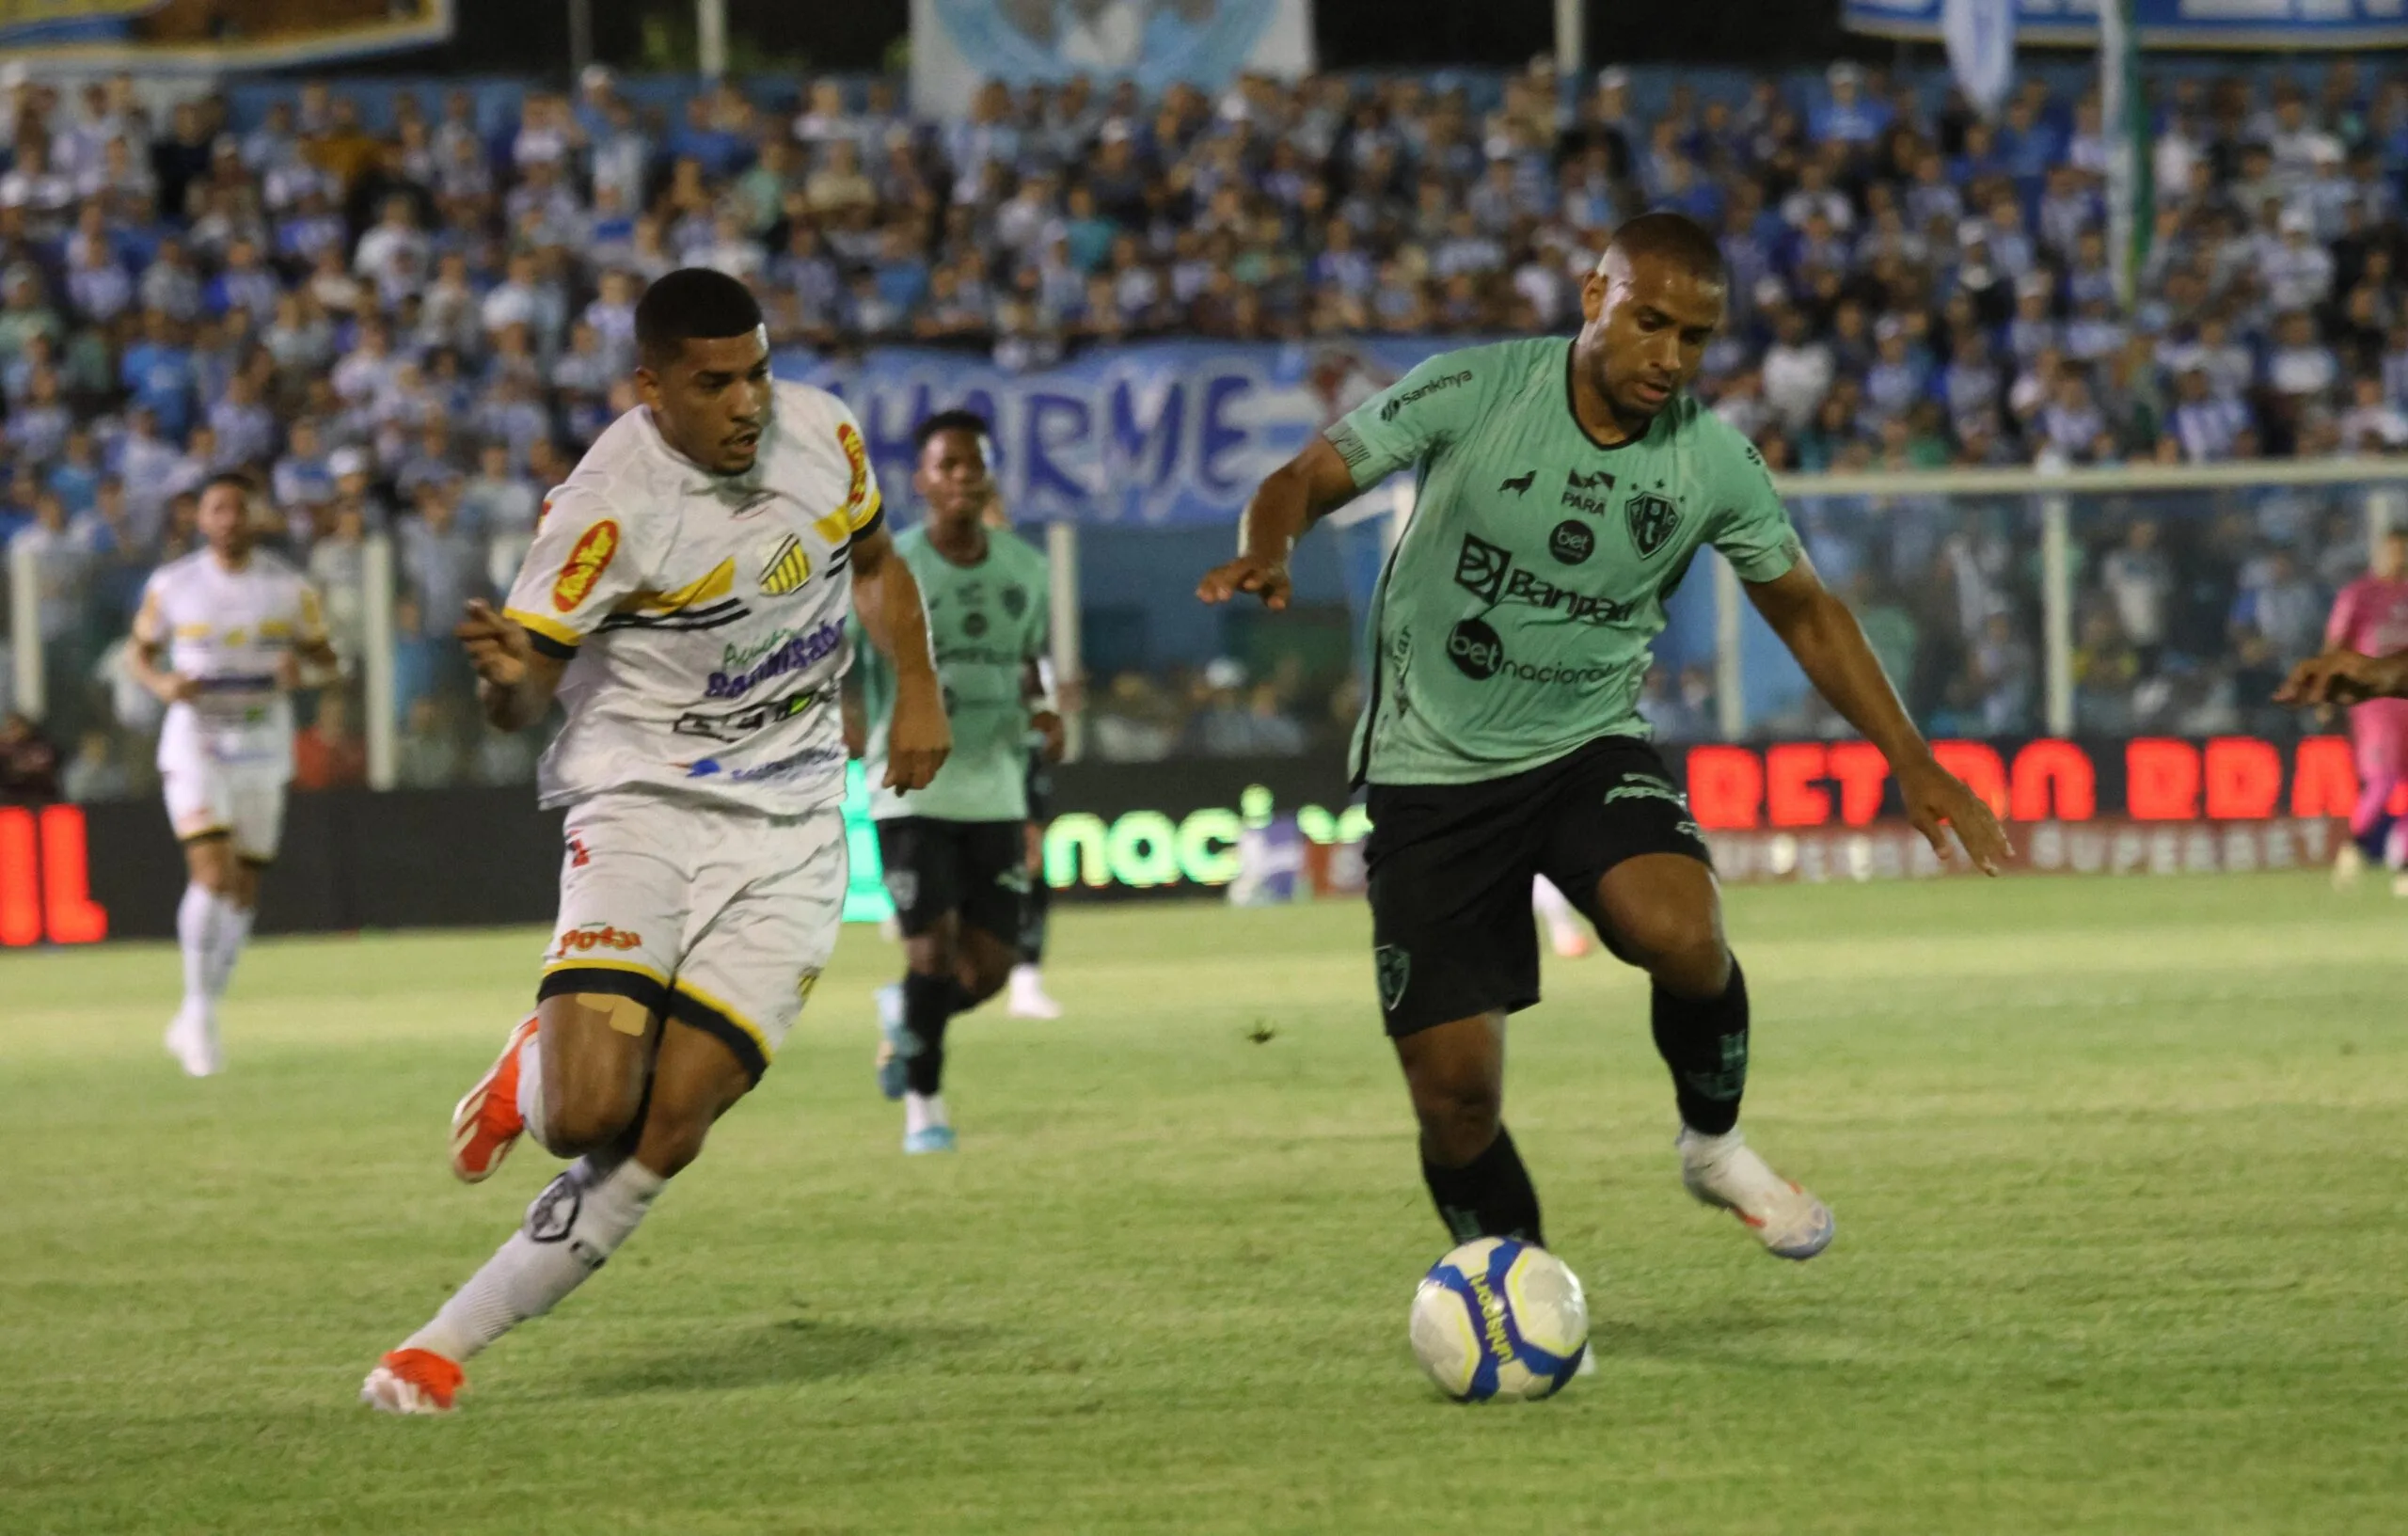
[930,1003]
[1705,1044]
[1032,920]
[1489,1197]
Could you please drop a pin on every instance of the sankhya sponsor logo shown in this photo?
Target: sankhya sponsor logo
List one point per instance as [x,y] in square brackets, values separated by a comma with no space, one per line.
[1444,381]
[792,654]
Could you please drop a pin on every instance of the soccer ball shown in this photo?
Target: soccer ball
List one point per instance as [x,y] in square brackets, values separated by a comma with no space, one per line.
[1500,1320]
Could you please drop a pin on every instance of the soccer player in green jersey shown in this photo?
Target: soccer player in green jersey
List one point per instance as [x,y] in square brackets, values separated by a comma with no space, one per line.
[1564,488]
[954,853]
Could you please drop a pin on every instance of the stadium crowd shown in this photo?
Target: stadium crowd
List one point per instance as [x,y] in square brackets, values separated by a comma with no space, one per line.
[413,327]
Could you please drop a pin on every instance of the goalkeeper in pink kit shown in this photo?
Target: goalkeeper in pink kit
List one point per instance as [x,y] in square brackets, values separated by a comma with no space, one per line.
[2371,618]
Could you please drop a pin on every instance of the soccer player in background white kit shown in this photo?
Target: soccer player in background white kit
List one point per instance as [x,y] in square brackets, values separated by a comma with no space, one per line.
[238,629]
[685,598]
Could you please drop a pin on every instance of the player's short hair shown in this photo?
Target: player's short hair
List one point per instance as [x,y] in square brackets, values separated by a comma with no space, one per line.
[242,483]
[691,304]
[1671,237]
[969,421]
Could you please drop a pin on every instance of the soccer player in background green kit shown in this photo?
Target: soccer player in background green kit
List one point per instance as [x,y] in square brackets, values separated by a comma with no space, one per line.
[955,853]
[1564,488]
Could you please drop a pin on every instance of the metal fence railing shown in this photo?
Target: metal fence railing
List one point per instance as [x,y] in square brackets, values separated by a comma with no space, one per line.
[2102,602]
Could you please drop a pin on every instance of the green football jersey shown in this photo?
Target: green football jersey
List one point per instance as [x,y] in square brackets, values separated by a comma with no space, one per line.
[987,620]
[1512,623]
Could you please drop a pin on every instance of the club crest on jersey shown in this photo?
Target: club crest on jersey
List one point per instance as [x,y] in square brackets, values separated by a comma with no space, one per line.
[585,564]
[788,567]
[1652,519]
[857,459]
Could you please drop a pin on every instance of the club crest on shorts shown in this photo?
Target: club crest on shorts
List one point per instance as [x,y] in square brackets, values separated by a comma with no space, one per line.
[903,886]
[1394,969]
[1652,519]
[809,979]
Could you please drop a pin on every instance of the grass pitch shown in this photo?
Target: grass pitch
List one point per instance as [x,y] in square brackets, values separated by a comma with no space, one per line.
[2117,1167]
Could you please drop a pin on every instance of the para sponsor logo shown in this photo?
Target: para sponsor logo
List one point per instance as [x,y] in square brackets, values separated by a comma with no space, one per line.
[1587,493]
[1444,381]
[585,564]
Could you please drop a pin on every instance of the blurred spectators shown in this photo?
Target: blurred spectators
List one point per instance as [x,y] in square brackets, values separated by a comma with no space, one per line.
[411,322]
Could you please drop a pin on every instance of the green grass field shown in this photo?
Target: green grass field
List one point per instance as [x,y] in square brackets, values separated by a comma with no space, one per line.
[2118,1168]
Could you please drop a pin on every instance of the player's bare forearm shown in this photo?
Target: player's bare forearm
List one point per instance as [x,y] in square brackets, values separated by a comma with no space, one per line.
[918,738]
[1296,496]
[141,664]
[516,706]
[2343,676]
[888,600]
[1829,645]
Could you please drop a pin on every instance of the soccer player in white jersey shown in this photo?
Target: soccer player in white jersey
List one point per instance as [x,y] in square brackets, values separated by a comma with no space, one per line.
[684,601]
[223,638]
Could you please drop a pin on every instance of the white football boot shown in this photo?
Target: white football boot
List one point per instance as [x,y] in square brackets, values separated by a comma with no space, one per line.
[192,1039]
[2348,864]
[1725,1171]
[1028,998]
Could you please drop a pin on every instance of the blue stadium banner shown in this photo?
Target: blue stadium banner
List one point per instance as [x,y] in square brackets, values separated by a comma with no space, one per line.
[2166,23]
[959,44]
[1162,433]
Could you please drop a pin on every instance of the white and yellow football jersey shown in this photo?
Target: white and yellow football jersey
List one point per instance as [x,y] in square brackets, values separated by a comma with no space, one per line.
[703,615]
[232,630]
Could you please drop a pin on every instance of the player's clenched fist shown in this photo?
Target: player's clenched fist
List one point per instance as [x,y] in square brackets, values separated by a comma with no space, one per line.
[497,648]
[918,740]
[1258,574]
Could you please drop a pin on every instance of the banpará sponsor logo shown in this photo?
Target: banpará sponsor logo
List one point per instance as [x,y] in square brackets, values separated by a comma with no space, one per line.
[1444,381]
[1488,572]
[746,668]
[785,768]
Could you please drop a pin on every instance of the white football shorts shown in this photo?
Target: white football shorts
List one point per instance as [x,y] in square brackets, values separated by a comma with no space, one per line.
[242,800]
[717,917]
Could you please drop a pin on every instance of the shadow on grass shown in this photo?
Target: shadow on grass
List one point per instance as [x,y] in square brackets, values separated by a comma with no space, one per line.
[795,1351]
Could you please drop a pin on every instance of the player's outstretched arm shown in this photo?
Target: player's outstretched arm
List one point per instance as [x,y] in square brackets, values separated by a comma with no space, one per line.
[1298,494]
[515,681]
[2341,676]
[1830,647]
[888,600]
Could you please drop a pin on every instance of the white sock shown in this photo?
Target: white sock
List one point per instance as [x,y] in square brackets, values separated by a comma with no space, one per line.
[196,934]
[1697,1146]
[578,1222]
[919,1113]
[531,1089]
[1027,979]
[226,936]
[1552,904]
